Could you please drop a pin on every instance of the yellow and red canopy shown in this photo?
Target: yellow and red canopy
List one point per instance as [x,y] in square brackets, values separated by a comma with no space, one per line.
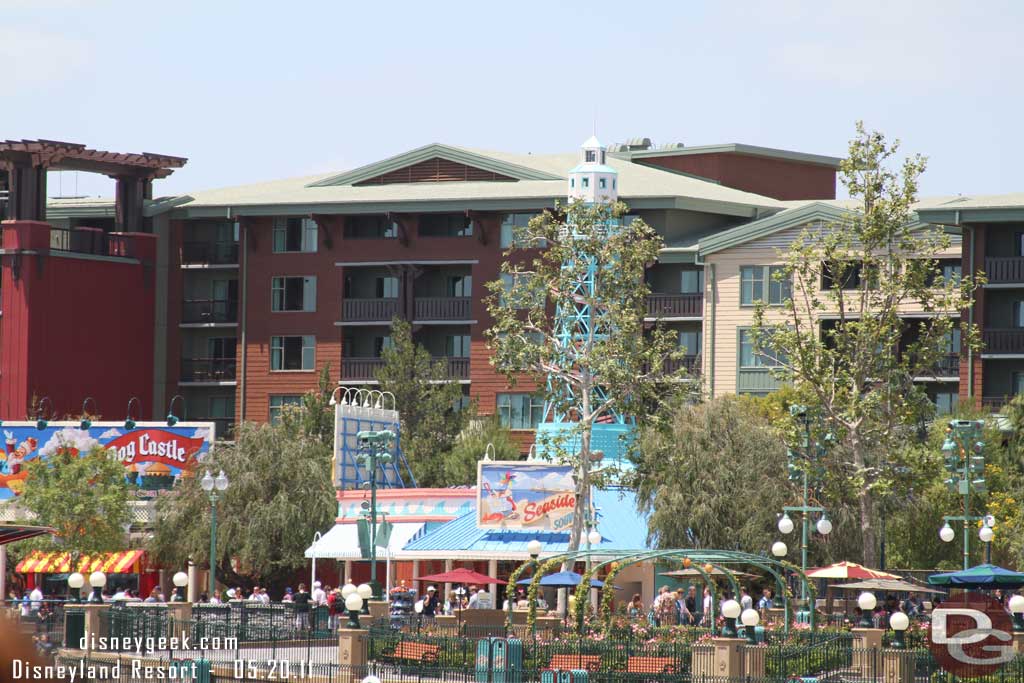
[40,562]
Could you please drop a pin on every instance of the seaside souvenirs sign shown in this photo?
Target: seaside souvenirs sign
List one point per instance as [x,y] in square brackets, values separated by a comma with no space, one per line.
[153,454]
[518,495]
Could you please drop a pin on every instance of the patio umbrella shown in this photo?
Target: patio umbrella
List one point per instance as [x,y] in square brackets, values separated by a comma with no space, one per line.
[848,570]
[461,575]
[563,580]
[981,576]
[693,573]
[890,585]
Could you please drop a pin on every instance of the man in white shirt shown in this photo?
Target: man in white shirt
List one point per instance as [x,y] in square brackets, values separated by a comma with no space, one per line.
[318,596]
[746,602]
[36,596]
[706,617]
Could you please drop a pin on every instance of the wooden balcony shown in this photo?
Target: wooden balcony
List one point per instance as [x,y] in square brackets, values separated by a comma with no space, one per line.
[1003,341]
[369,310]
[441,308]
[1003,270]
[675,305]
[365,369]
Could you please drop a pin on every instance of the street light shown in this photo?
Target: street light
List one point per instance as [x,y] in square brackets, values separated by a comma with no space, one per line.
[899,622]
[812,451]
[1017,609]
[779,549]
[129,421]
[824,525]
[594,537]
[946,533]
[785,524]
[964,459]
[213,487]
[375,447]
[354,604]
[866,601]
[365,591]
[750,619]
[172,419]
[730,610]
[86,423]
[180,581]
[41,420]
[534,548]
[97,580]
[75,583]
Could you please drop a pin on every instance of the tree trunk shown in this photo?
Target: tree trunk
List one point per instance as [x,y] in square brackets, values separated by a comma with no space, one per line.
[867,529]
[582,506]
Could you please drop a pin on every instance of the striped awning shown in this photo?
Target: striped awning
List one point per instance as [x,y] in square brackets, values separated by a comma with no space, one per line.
[39,562]
[9,533]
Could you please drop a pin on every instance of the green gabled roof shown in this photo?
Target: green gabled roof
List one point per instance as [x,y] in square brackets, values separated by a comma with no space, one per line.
[434,151]
[735,148]
[808,213]
[1002,208]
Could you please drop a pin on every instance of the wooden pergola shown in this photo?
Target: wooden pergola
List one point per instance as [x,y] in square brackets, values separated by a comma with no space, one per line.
[26,163]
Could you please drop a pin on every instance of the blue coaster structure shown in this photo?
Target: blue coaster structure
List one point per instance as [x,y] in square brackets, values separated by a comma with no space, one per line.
[592,182]
[358,409]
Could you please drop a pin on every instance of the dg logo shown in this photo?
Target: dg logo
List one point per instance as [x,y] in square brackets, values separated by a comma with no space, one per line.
[971,635]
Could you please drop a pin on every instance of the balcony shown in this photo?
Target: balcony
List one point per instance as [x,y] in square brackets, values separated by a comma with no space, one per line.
[690,363]
[1004,270]
[91,241]
[1009,341]
[209,311]
[202,370]
[441,308]
[368,310]
[209,254]
[675,305]
[365,369]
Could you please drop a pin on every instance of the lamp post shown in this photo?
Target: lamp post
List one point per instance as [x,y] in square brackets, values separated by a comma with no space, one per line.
[355,597]
[213,487]
[824,525]
[985,533]
[963,452]
[1017,609]
[374,446]
[899,622]
[750,619]
[730,610]
[312,572]
[97,580]
[75,583]
[180,580]
[866,601]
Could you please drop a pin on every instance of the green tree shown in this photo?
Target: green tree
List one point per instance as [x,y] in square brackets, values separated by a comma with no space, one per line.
[427,400]
[713,468]
[280,495]
[610,365]
[471,446]
[865,271]
[83,497]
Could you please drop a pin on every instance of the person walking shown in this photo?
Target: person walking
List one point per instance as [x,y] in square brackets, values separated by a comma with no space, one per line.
[746,602]
[301,600]
[430,603]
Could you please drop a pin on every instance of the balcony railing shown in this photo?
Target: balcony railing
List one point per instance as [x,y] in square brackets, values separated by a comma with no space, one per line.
[209,253]
[458,368]
[1003,341]
[442,308]
[91,241]
[675,305]
[209,311]
[208,370]
[365,369]
[1005,270]
[368,310]
[691,363]
[948,365]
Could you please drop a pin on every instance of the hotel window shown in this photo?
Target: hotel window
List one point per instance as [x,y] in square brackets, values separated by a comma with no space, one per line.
[520,411]
[445,225]
[456,346]
[692,282]
[380,344]
[1018,313]
[690,342]
[752,285]
[370,227]
[294,235]
[460,286]
[753,357]
[292,353]
[386,287]
[586,182]
[602,183]
[220,348]
[591,156]
[848,275]
[946,402]
[293,294]
[278,403]
[514,222]
[507,280]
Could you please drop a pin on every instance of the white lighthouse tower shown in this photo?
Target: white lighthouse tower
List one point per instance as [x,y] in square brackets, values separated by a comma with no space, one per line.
[592,180]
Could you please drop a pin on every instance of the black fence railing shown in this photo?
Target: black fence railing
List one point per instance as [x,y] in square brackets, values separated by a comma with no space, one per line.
[208,369]
[209,311]
[92,241]
[209,253]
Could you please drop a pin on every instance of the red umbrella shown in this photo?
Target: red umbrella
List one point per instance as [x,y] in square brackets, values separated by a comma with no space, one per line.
[460,575]
[848,570]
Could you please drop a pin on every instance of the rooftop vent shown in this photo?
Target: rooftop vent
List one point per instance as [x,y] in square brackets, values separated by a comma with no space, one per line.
[637,144]
[669,146]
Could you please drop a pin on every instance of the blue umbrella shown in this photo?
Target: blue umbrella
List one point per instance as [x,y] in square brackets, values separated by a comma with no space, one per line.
[563,580]
[981,576]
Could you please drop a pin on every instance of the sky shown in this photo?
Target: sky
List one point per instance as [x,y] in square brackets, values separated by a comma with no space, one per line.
[253,90]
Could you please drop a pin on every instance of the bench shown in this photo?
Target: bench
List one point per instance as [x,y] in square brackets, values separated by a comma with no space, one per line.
[651,665]
[573,662]
[417,652]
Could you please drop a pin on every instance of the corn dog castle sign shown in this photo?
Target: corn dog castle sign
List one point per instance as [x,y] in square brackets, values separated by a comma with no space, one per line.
[154,454]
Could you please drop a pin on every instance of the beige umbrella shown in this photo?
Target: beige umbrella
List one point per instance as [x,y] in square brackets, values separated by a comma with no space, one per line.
[891,585]
[693,573]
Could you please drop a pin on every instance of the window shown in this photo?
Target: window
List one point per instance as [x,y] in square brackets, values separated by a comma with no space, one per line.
[752,285]
[603,184]
[277,404]
[1018,383]
[586,182]
[591,156]
[445,225]
[460,286]
[753,357]
[520,411]
[1020,244]
[507,281]
[946,402]
[951,341]
[294,234]
[510,224]
[222,407]
[292,353]
[370,227]
[1018,313]
[692,282]
[690,342]
[293,294]
[457,346]
[220,348]
[572,182]
[386,287]
[846,275]
[381,343]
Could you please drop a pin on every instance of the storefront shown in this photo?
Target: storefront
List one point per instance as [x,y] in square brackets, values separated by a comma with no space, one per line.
[125,569]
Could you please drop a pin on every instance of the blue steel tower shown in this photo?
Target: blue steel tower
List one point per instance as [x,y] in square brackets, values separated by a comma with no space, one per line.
[592,182]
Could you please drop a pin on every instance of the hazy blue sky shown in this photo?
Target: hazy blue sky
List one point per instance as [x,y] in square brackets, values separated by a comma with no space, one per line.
[261,90]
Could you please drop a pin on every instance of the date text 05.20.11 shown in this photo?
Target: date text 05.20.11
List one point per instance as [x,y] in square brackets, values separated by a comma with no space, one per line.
[271,669]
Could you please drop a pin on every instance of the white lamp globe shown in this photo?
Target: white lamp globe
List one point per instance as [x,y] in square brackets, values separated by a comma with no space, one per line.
[594,537]
[946,533]
[779,549]
[533,547]
[750,617]
[76,580]
[824,526]
[1017,604]
[986,534]
[348,589]
[353,603]
[97,579]
[207,482]
[866,601]
[731,609]
[180,579]
[785,524]
[365,591]
[371,679]
[899,621]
